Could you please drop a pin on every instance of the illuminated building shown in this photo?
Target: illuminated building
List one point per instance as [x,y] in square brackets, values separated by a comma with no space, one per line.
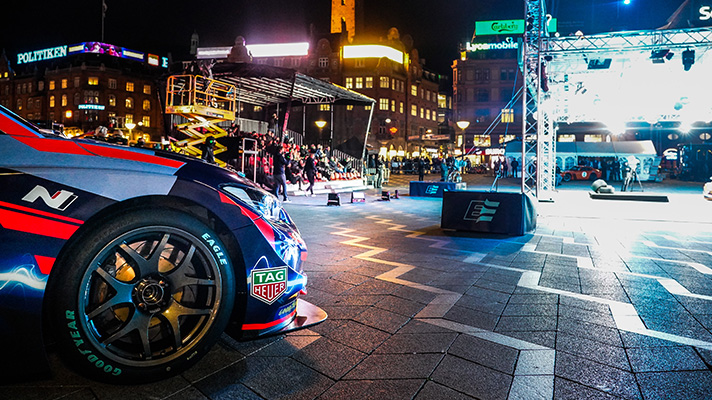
[85,85]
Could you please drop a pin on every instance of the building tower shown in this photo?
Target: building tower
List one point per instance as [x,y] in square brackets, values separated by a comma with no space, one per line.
[343,17]
[194,43]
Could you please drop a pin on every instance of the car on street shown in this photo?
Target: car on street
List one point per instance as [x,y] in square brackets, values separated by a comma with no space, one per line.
[580,172]
[132,262]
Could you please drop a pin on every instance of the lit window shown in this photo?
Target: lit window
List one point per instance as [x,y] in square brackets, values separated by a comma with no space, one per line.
[93,81]
[350,107]
[51,85]
[112,84]
[369,82]
[129,86]
[385,82]
[64,83]
[507,115]
[147,105]
[422,112]
[427,114]
[367,108]
[129,102]
[383,104]
[257,109]
[393,106]
[24,88]
[323,62]
[146,121]
[324,107]
[413,90]
[64,100]
[51,101]
[359,83]
[112,100]
[128,119]
[29,87]
[414,110]
[427,95]
[400,109]
[349,83]
[146,89]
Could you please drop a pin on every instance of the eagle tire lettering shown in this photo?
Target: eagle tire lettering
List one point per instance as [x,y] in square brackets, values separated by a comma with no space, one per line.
[93,359]
[213,244]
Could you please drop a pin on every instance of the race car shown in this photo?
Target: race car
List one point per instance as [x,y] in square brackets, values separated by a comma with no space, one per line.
[580,172]
[707,190]
[132,262]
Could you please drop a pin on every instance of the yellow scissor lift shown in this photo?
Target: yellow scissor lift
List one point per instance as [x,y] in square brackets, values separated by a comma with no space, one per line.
[203,102]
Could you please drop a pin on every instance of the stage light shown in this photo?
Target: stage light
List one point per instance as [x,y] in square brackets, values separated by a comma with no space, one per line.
[626,2]
[659,56]
[599,63]
[688,58]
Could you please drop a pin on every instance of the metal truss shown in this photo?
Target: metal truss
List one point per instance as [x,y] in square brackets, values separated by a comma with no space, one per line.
[629,41]
[538,136]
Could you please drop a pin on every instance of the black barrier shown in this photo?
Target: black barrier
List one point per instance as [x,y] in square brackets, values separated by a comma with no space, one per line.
[432,189]
[489,212]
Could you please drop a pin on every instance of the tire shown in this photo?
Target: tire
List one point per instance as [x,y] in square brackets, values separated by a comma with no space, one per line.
[592,177]
[125,313]
[567,177]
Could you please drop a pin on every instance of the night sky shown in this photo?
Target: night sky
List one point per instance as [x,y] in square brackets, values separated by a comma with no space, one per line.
[166,26]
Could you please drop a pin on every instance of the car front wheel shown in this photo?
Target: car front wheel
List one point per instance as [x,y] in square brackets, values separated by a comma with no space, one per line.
[142,297]
[567,177]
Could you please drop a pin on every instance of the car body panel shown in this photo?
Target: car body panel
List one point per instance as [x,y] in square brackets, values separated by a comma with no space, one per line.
[581,172]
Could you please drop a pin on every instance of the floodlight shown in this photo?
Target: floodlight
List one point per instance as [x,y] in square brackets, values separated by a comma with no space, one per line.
[659,56]
[688,58]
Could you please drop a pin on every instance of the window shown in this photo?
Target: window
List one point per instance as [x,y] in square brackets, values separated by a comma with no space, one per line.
[349,83]
[257,109]
[112,84]
[393,106]
[51,85]
[350,107]
[112,100]
[38,104]
[24,88]
[482,74]
[384,82]
[77,80]
[367,108]
[29,87]
[413,90]
[427,95]
[40,86]
[422,112]
[369,82]
[64,83]
[507,74]
[483,95]
[482,115]
[427,113]
[414,110]
[51,101]
[469,74]
[507,115]
[19,104]
[360,63]
[324,107]
[129,86]
[146,121]
[147,105]
[77,98]
[383,104]
[91,97]
[129,102]
[278,62]
[401,107]
[128,119]
[323,62]
[93,81]
[64,100]
[359,82]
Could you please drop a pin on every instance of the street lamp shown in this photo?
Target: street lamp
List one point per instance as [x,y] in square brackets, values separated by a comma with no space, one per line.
[320,124]
[130,126]
[463,125]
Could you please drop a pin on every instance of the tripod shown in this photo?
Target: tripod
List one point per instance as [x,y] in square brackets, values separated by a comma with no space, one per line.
[630,178]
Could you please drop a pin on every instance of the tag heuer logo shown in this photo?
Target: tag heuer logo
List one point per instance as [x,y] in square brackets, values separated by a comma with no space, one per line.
[431,189]
[269,283]
[481,211]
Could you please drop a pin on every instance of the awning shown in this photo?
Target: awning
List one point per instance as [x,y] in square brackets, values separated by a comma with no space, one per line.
[264,85]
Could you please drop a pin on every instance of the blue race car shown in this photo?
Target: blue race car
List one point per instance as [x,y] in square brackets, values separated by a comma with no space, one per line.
[132,262]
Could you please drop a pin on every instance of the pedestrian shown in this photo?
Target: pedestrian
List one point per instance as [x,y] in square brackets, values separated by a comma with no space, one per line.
[421,169]
[515,168]
[310,170]
[208,148]
[279,163]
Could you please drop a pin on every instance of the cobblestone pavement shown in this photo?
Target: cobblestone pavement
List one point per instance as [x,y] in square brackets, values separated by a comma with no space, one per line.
[604,300]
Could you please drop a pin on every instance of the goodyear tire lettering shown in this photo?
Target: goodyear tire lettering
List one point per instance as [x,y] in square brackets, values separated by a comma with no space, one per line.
[92,358]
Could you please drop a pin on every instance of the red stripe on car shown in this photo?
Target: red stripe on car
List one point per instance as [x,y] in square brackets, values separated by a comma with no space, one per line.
[12,127]
[253,327]
[16,221]
[38,212]
[45,263]
[63,146]
[106,151]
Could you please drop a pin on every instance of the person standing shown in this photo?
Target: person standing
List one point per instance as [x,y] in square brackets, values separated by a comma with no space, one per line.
[515,168]
[421,169]
[208,148]
[279,163]
[310,170]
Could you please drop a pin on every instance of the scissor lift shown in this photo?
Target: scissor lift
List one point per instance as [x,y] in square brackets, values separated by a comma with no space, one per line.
[204,102]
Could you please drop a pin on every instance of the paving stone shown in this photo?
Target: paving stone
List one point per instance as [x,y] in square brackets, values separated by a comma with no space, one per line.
[493,355]
[43,393]
[470,317]
[530,309]
[329,357]
[598,376]
[342,312]
[688,385]
[358,336]
[542,338]
[286,347]
[331,286]
[598,333]
[289,379]
[400,306]
[382,319]
[419,326]
[221,355]
[491,295]
[436,391]
[660,359]
[419,295]
[374,287]
[395,366]
[496,286]
[228,379]
[568,390]
[398,389]
[481,304]
[596,351]
[346,277]
[527,323]
[417,343]
[537,297]
[594,317]
[472,379]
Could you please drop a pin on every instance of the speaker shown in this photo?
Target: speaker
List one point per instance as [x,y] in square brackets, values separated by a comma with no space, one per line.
[333,200]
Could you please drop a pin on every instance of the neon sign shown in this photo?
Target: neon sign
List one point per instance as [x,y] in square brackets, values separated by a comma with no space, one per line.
[91,107]
[507,44]
[373,51]
[41,55]
[509,27]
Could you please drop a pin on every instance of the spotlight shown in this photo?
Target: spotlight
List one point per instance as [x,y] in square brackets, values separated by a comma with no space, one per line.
[659,56]
[688,58]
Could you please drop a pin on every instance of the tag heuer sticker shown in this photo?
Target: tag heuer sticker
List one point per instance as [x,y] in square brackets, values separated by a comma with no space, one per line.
[268,283]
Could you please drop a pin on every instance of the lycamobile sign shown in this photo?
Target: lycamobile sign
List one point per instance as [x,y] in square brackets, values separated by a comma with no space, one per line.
[509,27]
[507,44]
[44,54]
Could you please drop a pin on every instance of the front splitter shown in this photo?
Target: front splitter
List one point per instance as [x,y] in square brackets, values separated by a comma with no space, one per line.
[307,315]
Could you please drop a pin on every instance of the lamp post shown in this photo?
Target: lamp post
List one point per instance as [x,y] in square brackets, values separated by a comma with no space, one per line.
[463,125]
[130,126]
[320,124]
